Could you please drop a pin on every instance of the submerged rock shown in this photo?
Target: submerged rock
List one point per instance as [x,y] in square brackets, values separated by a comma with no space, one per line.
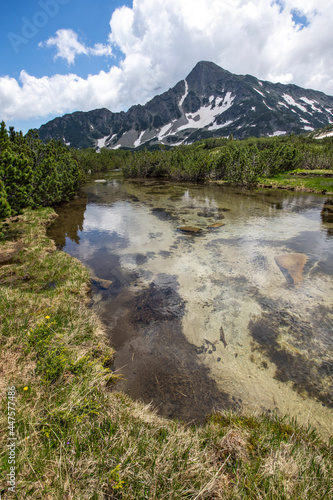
[217,224]
[163,214]
[104,284]
[159,302]
[293,264]
[215,214]
[189,229]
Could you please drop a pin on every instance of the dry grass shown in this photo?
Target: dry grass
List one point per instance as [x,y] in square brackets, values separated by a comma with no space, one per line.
[76,440]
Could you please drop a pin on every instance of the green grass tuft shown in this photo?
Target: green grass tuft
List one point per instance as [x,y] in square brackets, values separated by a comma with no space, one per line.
[316,184]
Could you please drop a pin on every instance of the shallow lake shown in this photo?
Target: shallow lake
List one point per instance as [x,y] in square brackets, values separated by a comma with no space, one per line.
[236,315]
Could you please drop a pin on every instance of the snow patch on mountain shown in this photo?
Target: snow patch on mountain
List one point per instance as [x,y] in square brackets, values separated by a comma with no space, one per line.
[277,133]
[138,141]
[217,126]
[182,99]
[207,114]
[164,131]
[258,92]
[310,103]
[227,101]
[291,101]
[101,142]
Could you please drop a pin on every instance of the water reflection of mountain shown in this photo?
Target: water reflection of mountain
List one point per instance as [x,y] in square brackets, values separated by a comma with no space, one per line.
[327,216]
[70,217]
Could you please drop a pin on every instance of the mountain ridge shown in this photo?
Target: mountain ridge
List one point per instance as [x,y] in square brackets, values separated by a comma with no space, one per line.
[209,102]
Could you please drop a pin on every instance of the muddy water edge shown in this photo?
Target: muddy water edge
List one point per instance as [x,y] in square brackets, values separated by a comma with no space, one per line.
[212,297]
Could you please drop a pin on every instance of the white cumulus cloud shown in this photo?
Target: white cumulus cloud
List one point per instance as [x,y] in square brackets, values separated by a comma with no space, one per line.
[68,46]
[162,40]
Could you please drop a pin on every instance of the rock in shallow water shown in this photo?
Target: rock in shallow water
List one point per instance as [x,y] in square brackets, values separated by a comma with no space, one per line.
[104,284]
[293,264]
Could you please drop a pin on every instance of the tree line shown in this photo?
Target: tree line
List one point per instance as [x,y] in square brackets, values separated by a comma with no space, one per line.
[238,162]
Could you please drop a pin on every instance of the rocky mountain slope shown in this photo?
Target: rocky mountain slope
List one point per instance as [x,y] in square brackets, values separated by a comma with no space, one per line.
[210,102]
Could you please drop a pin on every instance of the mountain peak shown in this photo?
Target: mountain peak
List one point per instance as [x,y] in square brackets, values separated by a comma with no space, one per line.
[207,66]
[209,102]
[206,70]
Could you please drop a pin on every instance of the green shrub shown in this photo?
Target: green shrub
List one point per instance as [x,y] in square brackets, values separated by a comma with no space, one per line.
[34,174]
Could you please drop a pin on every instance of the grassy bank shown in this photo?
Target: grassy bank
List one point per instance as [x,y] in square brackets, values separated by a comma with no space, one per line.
[315,181]
[74,439]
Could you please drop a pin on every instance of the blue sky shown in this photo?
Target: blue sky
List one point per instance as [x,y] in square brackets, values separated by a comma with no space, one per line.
[61,56]
[89,18]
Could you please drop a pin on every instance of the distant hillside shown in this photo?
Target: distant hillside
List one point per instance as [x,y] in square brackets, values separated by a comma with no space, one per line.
[210,102]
